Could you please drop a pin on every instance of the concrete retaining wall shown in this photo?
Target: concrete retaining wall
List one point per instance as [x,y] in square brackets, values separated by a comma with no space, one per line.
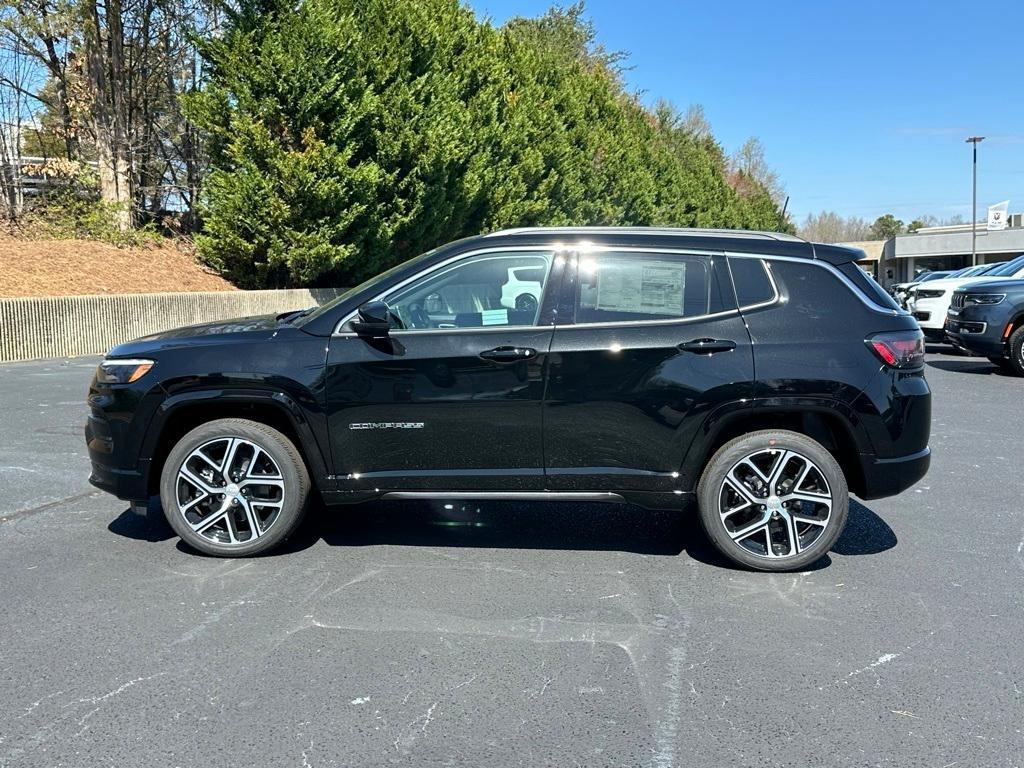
[67,326]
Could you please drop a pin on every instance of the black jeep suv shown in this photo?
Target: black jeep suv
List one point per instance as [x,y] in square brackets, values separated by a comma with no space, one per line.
[764,375]
[988,319]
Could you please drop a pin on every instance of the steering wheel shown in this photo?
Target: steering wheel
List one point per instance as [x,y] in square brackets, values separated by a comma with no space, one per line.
[526,302]
[418,316]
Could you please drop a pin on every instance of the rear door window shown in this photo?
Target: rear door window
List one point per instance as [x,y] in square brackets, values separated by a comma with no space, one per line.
[614,287]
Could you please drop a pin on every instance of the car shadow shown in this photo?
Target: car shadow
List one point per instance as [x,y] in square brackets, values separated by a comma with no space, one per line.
[865,534]
[517,525]
[149,525]
[976,365]
[497,524]
[940,348]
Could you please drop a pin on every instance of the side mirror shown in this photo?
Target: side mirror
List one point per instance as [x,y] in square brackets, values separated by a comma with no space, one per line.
[373,320]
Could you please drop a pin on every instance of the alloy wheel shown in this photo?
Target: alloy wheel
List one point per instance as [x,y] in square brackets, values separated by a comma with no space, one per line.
[230,491]
[775,503]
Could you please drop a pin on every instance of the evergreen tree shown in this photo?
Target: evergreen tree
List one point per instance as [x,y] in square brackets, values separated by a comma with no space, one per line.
[347,135]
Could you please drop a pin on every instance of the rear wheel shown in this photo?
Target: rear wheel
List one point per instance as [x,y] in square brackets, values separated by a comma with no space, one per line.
[1016,345]
[773,500]
[234,487]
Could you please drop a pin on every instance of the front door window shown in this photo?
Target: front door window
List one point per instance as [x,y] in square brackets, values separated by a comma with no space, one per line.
[486,290]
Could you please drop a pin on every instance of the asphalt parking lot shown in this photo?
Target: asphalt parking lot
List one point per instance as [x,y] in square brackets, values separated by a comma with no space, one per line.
[511,634]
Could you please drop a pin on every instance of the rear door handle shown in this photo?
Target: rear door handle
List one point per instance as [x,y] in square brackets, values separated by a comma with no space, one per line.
[508,354]
[707,346]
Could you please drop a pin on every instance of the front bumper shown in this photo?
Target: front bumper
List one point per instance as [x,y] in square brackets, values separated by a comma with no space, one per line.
[126,484]
[116,424]
[930,313]
[978,329]
[888,477]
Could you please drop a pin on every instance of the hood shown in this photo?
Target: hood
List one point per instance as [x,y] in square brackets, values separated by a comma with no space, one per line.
[997,285]
[952,283]
[258,327]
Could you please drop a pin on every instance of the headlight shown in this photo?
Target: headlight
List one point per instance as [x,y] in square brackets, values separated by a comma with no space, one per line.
[926,294]
[984,298]
[122,371]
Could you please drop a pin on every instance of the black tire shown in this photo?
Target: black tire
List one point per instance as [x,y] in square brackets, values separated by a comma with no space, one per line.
[1003,363]
[291,472]
[1016,344]
[711,490]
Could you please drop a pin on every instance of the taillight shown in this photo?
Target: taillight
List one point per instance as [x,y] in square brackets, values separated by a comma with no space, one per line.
[902,349]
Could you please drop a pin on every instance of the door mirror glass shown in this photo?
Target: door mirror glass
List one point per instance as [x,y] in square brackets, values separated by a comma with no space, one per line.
[373,319]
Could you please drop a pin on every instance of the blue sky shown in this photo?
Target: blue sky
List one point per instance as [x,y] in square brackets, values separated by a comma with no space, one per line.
[863,107]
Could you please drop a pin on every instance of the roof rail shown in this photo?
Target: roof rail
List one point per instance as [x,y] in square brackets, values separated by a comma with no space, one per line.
[674,231]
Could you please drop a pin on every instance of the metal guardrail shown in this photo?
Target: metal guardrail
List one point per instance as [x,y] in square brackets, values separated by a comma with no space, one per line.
[70,326]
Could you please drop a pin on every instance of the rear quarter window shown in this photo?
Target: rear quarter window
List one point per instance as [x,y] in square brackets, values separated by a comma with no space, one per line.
[753,285]
[871,290]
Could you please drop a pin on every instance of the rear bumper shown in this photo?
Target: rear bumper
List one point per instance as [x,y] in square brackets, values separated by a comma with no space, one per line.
[888,477]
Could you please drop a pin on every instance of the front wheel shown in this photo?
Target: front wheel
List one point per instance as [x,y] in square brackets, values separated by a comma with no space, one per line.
[773,500]
[234,487]
[1016,344]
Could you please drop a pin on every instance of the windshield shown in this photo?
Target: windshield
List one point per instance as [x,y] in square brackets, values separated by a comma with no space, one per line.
[1007,269]
[934,276]
[377,280]
[982,269]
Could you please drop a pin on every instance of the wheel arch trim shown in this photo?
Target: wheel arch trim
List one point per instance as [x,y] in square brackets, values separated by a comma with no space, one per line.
[280,401]
[718,426]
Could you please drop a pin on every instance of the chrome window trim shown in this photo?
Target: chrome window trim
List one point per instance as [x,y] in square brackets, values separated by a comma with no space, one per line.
[553,248]
[588,248]
[644,323]
[582,246]
[558,248]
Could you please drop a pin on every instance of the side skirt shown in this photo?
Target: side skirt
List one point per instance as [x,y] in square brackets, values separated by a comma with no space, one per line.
[509,495]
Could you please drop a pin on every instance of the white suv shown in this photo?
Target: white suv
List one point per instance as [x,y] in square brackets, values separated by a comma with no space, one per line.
[929,301]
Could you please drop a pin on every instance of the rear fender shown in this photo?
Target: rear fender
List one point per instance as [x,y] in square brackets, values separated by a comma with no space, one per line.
[808,415]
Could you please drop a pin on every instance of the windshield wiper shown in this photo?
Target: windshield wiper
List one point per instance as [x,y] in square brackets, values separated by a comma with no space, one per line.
[287,317]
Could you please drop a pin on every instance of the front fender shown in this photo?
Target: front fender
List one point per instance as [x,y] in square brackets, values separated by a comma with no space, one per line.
[312,444]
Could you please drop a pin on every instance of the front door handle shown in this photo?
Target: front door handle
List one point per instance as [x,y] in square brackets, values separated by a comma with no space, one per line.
[707,346]
[508,354]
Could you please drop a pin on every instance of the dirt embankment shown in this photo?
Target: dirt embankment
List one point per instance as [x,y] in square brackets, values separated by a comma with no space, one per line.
[84,267]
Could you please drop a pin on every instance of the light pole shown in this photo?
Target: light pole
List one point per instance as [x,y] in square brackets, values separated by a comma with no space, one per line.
[975,140]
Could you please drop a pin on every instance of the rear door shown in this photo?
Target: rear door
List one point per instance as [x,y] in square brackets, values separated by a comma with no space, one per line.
[646,345]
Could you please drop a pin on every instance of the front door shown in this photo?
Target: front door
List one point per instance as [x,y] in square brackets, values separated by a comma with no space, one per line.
[451,399]
[655,344]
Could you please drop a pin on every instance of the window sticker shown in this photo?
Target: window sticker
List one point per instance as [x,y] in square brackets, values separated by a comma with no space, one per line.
[494,317]
[644,287]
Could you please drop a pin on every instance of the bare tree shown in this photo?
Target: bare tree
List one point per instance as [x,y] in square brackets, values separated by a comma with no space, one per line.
[749,161]
[830,227]
[696,123]
[106,78]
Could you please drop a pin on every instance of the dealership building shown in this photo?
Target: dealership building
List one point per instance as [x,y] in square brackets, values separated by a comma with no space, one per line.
[935,248]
